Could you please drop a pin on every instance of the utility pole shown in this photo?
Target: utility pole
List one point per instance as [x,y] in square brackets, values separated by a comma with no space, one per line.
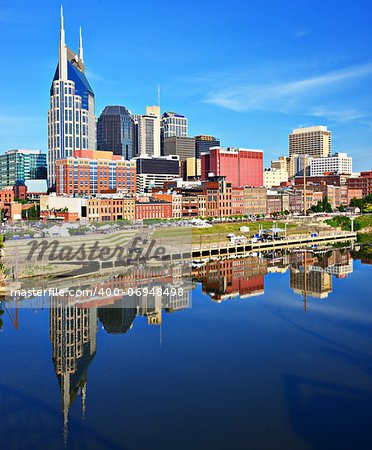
[304,174]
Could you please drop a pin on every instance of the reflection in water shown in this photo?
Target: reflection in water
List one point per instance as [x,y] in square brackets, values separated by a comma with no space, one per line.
[73,335]
[229,278]
[73,327]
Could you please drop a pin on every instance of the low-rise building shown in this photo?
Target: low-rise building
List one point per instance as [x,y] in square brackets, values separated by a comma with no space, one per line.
[153,209]
[237,201]
[363,182]
[103,209]
[354,193]
[277,202]
[6,197]
[174,198]
[255,201]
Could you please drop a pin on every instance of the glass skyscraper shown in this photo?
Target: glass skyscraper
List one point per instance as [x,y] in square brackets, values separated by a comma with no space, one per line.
[115,131]
[71,119]
[22,165]
[204,143]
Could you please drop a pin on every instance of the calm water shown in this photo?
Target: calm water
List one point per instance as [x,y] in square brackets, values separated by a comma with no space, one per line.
[249,360]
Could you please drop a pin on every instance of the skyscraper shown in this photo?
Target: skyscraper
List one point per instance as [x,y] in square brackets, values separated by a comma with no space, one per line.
[147,129]
[22,165]
[312,141]
[71,119]
[115,131]
[204,143]
[173,124]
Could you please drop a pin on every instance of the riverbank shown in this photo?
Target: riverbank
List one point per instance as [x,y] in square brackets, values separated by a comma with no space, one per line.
[362,225]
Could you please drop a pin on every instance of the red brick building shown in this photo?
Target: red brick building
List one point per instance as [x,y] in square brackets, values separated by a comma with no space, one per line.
[237,201]
[6,197]
[94,172]
[363,182]
[153,209]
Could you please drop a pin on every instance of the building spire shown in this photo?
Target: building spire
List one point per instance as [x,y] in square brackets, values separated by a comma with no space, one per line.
[62,53]
[81,51]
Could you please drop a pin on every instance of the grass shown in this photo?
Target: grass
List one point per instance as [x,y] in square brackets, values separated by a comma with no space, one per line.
[363,222]
[360,223]
[219,231]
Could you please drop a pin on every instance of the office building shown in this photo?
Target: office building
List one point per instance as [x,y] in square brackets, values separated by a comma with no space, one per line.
[147,132]
[71,119]
[241,167]
[183,147]
[204,143]
[312,141]
[22,165]
[340,163]
[154,172]
[174,124]
[296,164]
[90,172]
[115,131]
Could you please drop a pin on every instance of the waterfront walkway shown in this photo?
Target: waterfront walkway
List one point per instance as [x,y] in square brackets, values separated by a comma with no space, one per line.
[226,249]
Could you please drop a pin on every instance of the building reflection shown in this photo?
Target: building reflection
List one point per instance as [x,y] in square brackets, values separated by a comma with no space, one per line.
[74,322]
[230,278]
[73,325]
[73,336]
[311,272]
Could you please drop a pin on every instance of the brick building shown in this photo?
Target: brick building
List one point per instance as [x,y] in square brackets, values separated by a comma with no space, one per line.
[101,209]
[92,172]
[363,182]
[255,200]
[153,209]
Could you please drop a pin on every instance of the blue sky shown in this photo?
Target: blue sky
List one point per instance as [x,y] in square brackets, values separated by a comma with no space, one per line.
[247,72]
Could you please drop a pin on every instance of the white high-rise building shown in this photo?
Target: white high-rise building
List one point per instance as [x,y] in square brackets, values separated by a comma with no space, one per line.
[174,124]
[340,163]
[71,119]
[148,132]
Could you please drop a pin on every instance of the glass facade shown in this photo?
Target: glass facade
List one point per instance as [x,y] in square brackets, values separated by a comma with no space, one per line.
[22,165]
[115,131]
[204,143]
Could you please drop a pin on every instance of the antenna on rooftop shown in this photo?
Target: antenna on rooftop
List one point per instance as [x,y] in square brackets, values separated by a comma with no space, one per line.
[159,95]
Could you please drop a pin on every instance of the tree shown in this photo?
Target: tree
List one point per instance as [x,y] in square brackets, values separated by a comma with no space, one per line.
[341,208]
[328,208]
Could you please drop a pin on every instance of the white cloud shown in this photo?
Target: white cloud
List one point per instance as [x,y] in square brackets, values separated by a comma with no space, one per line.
[319,96]
[302,33]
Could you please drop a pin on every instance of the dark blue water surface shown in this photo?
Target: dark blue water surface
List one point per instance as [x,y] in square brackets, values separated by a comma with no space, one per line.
[267,369]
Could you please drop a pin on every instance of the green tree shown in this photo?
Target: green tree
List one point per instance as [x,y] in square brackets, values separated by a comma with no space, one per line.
[328,208]
[341,208]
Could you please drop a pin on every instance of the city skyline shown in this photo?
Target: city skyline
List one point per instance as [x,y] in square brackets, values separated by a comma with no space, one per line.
[235,101]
